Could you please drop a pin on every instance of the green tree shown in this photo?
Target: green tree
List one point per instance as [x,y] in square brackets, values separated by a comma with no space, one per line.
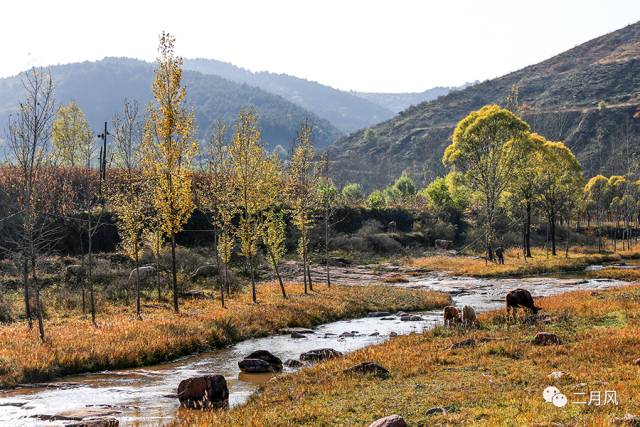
[522,187]
[596,192]
[376,200]
[352,194]
[302,195]
[71,137]
[486,149]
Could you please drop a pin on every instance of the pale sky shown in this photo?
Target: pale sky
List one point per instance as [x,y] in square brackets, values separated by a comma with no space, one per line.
[367,45]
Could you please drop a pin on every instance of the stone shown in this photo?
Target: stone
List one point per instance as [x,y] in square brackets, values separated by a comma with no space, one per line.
[369,368]
[470,342]
[255,366]
[297,335]
[81,414]
[204,271]
[401,313]
[378,314]
[208,391]
[298,330]
[393,334]
[293,363]
[546,338]
[436,410]
[390,421]
[319,354]
[411,318]
[374,334]
[260,361]
[329,335]
[387,318]
[346,335]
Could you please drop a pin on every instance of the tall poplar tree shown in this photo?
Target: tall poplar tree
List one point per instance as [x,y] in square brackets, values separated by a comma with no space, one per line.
[169,148]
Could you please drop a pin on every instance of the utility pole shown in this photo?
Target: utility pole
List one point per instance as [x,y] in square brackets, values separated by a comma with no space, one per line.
[103,153]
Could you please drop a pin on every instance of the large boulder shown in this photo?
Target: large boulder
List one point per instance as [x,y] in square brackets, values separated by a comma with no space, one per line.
[260,361]
[319,354]
[293,363]
[369,368]
[205,392]
[411,318]
[390,421]
[546,338]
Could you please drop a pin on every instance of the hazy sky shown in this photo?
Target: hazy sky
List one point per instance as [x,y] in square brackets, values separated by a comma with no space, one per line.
[369,45]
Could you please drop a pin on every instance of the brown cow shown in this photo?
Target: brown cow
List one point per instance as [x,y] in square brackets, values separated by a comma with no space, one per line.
[451,315]
[469,317]
[520,298]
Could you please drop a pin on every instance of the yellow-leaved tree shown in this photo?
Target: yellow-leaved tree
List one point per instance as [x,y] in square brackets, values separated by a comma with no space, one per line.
[216,195]
[302,194]
[169,148]
[256,185]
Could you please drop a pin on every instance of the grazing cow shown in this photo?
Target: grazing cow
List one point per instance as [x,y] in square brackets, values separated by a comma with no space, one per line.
[74,272]
[145,271]
[520,298]
[469,317]
[451,315]
[204,271]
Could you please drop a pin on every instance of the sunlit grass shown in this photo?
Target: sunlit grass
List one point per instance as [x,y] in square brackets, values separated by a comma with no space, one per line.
[73,345]
[499,382]
[516,265]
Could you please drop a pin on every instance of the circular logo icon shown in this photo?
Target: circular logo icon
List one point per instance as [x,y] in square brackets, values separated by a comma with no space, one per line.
[559,400]
[549,392]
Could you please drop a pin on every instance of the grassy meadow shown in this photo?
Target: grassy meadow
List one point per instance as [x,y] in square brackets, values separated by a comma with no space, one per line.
[517,266]
[74,345]
[496,382]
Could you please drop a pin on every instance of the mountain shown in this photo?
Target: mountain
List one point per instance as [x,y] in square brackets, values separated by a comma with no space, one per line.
[347,111]
[100,88]
[586,97]
[397,102]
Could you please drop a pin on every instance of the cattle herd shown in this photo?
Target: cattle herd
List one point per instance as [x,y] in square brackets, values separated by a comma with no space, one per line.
[517,298]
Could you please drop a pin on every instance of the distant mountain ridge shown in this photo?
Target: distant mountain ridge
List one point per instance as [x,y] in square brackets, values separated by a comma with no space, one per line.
[586,96]
[345,110]
[397,102]
[100,88]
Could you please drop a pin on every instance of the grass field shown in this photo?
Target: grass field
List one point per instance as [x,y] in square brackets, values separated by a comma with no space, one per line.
[75,346]
[497,382]
[516,266]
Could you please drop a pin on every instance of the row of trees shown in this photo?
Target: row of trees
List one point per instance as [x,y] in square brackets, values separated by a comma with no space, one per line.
[158,176]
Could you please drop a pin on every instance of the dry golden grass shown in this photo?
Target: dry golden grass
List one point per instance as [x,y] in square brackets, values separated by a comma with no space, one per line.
[499,382]
[515,265]
[617,273]
[395,278]
[74,346]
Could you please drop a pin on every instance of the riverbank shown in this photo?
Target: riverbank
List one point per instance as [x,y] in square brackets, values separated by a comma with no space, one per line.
[517,266]
[496,380]
[75,346]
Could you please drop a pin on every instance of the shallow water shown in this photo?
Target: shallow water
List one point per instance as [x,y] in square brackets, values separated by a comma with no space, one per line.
[146,396]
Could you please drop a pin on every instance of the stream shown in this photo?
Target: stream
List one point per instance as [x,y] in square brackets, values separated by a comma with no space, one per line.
[146,396]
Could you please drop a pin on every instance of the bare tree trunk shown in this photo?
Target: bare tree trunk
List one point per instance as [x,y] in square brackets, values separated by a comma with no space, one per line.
[25,280]
[226,279]
[137,259]
[92,299]
[36,287]
[275,267]
[174,273]
[326,246]
[528,231]
[157,262]
[254,295]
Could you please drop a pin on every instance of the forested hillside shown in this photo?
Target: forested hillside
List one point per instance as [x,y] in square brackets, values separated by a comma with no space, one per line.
[100,87]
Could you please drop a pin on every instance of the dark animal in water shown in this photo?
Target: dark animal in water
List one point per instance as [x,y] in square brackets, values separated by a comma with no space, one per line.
[520,298]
